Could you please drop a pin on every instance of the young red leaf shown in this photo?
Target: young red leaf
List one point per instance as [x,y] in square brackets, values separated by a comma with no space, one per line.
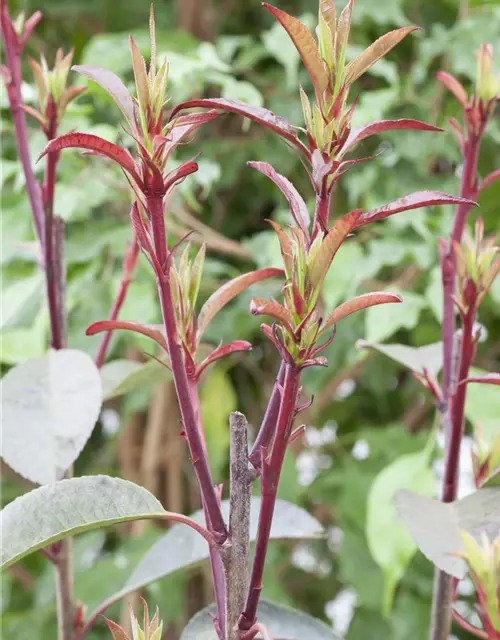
[342,36]
[330,246]
[230,290]
[489,180]
[112,84]
[297,204]
[285,246]
[262,307]
[381,126]
[140,74]
[184,125]
[412,201]
[117,632]
[453,85]
[155,332]
[181,172]
[488,378]
[222,352]
[94,143]
[305,45]
[375,51]
[262,116]
[360,302]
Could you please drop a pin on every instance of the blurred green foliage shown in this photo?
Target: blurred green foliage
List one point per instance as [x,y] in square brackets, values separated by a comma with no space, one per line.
[362,424]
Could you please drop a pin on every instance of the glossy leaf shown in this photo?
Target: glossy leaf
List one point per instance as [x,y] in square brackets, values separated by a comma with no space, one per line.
[153,331]
[453,85]
[305,45]
[263,116]
[413,201]
[360,302]
[374,52]
[282,623]
[50,406]
[429,357]
[388,540]
[297,205]
[47,514]
[112,84]
[436,526]
[381,126]
[330,245]
[182,548]
[230,290]
[94,143]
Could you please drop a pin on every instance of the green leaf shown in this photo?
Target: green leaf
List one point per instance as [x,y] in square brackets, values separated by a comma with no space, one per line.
[482,406]
[217,400]
[389,542]
[114,373]
[182,548]
[143,376]
[282,623]
[415,358]
[50,407]
[68,507]
[436,527]
[19,298]
[383,321]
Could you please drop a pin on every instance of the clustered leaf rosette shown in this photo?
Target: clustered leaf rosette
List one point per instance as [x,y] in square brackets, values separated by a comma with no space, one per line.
[53,94]
[151,629]
[328,130]
[186,277]
[478,264]
[483,560]
[479,106]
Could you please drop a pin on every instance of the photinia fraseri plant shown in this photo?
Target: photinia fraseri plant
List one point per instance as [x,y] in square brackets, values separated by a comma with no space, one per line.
[300,329]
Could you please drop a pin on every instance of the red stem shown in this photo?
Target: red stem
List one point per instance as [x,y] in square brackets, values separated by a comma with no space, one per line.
[467,626]
[457,405]
[448,267]
[322,208]
[189,419]
[129,262]
[268,426]
[271,469]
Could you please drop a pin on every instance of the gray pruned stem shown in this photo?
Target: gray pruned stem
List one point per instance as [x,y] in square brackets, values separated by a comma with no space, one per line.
[236,551]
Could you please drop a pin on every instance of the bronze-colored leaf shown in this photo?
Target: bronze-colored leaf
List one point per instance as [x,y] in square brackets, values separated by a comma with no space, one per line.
[360,302]
[375,51]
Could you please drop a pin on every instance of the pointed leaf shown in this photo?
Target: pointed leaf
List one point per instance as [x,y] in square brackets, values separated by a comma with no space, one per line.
[297,205]
[260,115]
[360,302]
[490,179]
[113,85]
[56,511]
[182,548]
[374,52]
[437,527]
[184,125]
[117,632]
[412,201]
[94,143]
[330,246]
[153,331]
[230,290]
[305,45]
[417,359]
[285,246]
[140,75]
[381,126]
[281,622]
[222,352]
[341,39]
[453,85]
[50,406]
[488,378]
[262,307]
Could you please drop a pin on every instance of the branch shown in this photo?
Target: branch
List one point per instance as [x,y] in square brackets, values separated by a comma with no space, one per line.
[235,556]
